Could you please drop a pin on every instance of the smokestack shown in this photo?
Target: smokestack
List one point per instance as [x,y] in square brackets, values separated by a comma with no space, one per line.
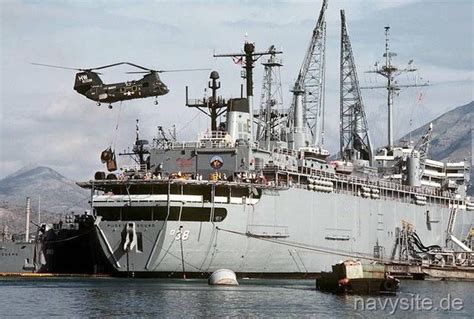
[28,213]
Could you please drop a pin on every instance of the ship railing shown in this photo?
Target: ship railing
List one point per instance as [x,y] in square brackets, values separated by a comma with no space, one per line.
[179,145]
[214,135]
[216,139]
[373,183]
[285,151]
[450,258]
[134,168]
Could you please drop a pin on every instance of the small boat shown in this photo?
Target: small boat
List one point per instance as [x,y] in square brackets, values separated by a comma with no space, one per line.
[351,277]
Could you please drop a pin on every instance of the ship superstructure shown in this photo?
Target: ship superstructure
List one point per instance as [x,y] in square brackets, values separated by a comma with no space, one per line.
[265,199]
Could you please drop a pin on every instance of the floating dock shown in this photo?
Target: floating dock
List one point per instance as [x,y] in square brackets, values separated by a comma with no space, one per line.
[404,271]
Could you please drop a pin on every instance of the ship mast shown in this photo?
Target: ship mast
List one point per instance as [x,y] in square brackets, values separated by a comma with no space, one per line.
[271,113]
[248,58]
[390,72]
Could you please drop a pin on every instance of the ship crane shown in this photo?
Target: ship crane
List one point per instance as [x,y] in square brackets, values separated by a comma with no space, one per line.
[416,160]
[354,131]
[307,110]
[423,147]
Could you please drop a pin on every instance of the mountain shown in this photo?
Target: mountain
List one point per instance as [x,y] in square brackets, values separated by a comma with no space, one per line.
[58,194]
[452,136]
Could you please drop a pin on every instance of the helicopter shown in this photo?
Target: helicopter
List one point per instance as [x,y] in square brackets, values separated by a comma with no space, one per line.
[89,84]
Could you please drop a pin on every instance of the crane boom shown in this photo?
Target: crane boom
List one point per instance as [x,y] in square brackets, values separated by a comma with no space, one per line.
[315,39]
[310,84]
[423,147]
[354,136]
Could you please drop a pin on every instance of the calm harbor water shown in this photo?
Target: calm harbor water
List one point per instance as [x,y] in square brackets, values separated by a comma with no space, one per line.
[114,297]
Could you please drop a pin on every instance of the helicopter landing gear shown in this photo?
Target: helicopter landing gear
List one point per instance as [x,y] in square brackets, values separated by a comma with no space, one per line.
[110,106]
[156,100]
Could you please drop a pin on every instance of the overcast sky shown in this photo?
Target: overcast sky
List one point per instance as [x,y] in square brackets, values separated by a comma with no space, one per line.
[44,122]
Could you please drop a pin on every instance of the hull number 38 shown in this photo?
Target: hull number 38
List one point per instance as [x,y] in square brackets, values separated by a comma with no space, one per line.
[179,234]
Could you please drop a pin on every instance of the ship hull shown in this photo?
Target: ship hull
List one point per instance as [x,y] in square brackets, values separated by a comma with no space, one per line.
[17,258]
[286,233]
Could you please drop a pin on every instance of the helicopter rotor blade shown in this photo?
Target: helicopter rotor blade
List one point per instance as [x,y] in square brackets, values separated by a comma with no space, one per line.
[138,66]
[88,69]
[181,70]
[108,66]
[145,70]
[56,66]
[163,71]
[67,68]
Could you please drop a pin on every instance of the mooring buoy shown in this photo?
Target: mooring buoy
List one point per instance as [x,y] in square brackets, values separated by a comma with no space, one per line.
[223,277]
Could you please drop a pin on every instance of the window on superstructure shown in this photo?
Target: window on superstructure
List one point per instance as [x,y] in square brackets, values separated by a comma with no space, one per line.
[136,213]
[162,213]
[220,214]
[195,214]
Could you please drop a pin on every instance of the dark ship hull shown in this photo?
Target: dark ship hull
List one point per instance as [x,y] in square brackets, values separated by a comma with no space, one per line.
[71,248]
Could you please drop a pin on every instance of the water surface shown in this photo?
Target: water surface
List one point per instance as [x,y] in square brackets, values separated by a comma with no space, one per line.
[116,297]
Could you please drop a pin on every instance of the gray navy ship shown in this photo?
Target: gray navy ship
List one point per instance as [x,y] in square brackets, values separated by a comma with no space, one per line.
[66,247]
[258,193]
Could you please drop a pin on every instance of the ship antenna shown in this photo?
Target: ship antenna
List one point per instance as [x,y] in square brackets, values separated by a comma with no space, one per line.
[387,46]
[137,130]
[390,72]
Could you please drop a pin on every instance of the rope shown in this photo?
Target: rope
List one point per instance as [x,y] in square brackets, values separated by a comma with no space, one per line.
[309,247]
[114,140]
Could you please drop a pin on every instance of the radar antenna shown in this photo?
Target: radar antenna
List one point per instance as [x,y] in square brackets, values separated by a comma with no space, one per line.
[213,106]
